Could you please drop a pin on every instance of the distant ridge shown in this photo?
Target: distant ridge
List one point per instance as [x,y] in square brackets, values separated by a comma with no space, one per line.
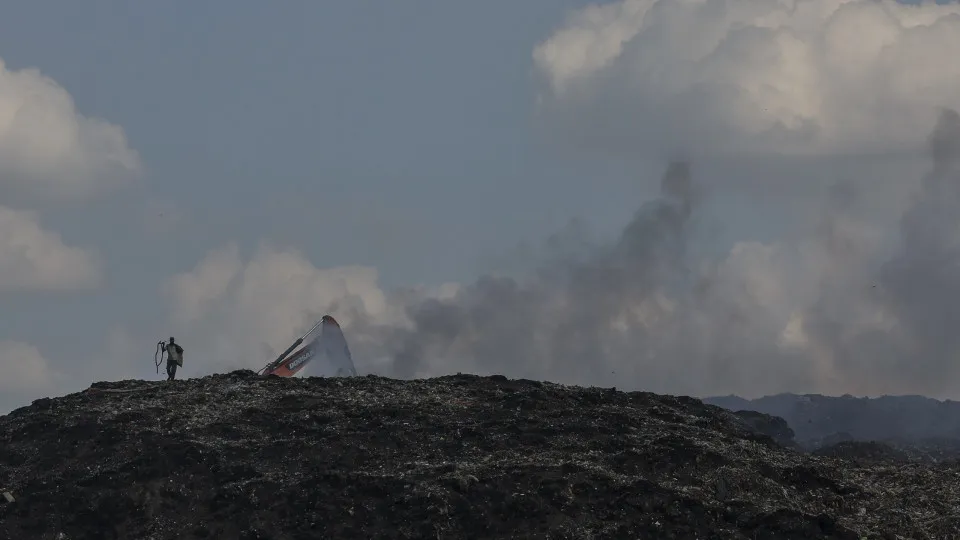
[815,417]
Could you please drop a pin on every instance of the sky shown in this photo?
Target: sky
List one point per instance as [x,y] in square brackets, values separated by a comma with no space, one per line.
[699,197]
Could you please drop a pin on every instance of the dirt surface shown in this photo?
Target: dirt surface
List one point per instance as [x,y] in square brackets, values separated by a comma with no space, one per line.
[242,457]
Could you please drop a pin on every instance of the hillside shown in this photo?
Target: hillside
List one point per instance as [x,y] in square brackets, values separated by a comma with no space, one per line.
[915,423]
[239,456]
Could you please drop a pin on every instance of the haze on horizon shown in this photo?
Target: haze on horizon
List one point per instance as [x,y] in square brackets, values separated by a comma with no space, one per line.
[701,197]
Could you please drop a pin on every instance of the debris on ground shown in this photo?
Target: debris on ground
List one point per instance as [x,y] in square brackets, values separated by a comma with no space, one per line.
[240,456]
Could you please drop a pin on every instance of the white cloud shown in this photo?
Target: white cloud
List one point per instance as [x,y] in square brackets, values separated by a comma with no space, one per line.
[714,76]
[229,313]
[27,375]
[24,368]
[32,258]
[48,152]
[48,149]
[121,358]
[194,292]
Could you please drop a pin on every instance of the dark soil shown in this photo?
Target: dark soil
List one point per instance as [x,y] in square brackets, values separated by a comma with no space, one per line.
[242,457]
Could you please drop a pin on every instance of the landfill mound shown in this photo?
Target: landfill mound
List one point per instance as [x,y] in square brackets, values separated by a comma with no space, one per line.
[241,456]
[869,451]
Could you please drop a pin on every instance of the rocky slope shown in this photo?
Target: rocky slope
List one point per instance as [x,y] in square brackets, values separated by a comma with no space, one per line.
[239,456]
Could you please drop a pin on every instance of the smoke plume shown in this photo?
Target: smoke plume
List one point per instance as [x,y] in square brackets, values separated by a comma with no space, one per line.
[840,305]
[648,311]
[913,341]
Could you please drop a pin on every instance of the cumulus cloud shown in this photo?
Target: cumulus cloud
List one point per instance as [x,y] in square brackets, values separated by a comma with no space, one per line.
[902,335]
[121,357]
[48,149]
[26,374]
[832,311]
[231,313]
[32,258]
[714,77]
[24,368]
[838,310]
[48,152]
[849,307]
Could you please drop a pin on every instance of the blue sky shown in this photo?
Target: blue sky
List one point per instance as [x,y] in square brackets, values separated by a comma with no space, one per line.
[387,120]
[408,133]
[237,108]
[398,136]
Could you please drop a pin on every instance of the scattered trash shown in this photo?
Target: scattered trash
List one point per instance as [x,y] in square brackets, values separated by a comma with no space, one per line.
[8,496]
[256,457]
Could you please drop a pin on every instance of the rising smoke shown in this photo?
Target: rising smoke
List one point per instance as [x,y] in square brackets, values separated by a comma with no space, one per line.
[919,287]
[647,311]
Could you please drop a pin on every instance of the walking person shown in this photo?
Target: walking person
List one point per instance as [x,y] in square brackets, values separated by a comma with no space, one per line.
[174,358]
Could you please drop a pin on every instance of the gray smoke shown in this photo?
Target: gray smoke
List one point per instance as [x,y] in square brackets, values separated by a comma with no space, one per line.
[647,311]
[917,289]
[577,319]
